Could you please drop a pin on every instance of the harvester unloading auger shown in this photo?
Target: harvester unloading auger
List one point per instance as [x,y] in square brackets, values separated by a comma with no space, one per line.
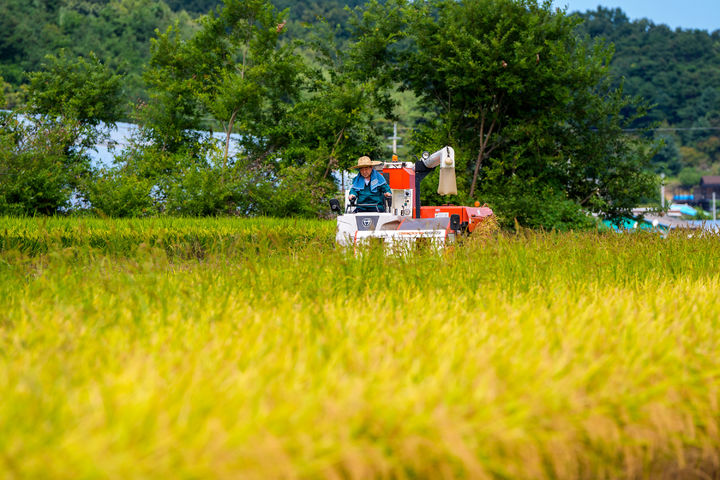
[405,221]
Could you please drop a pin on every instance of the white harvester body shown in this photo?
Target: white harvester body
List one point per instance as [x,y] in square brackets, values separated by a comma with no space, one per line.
[406,224]
[396,233]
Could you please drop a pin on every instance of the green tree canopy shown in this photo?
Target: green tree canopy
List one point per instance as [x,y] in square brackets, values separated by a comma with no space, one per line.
[293,123]
[43,154]
[675,70]
[527,102]
[82,90]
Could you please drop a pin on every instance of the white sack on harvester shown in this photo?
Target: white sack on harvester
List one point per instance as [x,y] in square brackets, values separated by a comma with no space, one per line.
[447,184]
[445,159]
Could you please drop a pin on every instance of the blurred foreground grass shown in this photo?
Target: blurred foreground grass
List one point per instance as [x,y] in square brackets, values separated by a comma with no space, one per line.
[231,348]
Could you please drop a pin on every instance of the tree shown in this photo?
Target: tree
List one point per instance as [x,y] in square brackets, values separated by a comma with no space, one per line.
[245,69]
[44,152]
[81,90]
[483,64]
[511,82]
[294,123]
[335,120]
[233,72]
[170,120]
[36,177]
[689,177]
[233,64]
[667,158]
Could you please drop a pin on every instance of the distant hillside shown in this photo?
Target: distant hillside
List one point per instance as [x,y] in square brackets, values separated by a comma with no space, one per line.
[302,12]
[193,6]
[118,31]
[676,70]
[308,12]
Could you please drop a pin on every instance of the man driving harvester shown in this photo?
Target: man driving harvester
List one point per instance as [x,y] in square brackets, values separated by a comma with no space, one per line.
[369,187]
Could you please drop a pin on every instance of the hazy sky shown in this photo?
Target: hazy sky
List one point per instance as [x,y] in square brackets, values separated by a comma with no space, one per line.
[701,14]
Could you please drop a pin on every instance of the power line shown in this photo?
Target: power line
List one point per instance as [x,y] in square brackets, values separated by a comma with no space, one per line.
[668,129]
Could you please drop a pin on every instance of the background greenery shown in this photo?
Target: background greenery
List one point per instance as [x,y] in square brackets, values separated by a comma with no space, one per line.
[327,112]
[119,31]
[676,70]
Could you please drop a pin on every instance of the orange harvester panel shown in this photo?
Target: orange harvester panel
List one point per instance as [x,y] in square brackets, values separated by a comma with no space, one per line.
[467,214]
[400,178]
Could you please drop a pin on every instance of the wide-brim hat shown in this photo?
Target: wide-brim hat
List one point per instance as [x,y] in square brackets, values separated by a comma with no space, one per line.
[365,162]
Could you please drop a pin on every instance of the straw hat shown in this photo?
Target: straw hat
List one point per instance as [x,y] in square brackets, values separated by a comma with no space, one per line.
[365,162]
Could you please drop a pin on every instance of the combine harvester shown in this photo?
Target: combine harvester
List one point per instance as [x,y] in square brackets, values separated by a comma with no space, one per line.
[405,222]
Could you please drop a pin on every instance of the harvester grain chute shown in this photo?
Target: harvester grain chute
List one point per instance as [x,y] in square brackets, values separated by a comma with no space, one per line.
[406,222]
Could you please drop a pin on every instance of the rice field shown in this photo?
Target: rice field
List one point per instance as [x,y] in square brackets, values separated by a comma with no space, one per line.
[254,348]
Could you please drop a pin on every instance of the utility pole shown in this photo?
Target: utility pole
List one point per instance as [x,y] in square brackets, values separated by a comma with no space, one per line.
[713,206]
[662,190]
[394,139]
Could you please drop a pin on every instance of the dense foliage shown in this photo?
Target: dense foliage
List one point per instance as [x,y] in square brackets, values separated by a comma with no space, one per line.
[117,31]
[193,6]
[311,107]
[529,105]
[44,147]
[293,122]
[676,71]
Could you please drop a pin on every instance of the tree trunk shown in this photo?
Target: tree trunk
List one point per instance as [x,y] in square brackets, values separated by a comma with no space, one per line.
[478,162]
[332,154]
[482,151]
[228,131]
[495,110]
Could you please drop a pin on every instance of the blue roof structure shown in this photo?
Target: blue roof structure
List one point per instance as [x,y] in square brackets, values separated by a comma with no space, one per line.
[683,198]
[684,209]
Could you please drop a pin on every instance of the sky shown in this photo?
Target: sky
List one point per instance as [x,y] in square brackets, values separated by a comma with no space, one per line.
[685,14]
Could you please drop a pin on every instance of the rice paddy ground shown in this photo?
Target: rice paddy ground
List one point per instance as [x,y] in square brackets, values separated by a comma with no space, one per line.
[254,348]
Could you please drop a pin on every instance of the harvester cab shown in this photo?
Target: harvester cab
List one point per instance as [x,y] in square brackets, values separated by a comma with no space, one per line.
[405,221]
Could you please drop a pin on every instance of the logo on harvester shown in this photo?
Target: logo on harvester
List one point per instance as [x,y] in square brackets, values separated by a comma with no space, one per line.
[366,222]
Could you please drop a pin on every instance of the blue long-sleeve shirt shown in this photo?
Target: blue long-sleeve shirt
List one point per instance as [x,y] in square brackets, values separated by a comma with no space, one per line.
[369,200]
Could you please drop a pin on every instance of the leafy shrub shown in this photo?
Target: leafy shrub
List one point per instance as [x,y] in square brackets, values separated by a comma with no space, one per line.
[548,209]
[118,194]
[293,192]
[201,191]
[38,172]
